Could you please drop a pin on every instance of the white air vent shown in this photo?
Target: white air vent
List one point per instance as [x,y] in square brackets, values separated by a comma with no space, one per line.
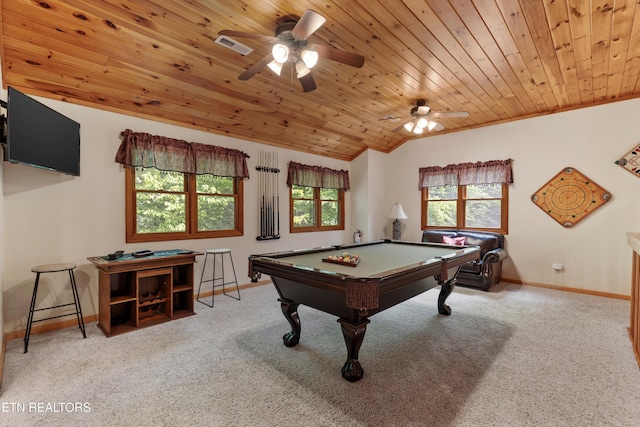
[234,45]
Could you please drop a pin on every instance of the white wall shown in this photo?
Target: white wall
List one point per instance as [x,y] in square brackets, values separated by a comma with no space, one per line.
[50,217]
[367,175]
[594,252]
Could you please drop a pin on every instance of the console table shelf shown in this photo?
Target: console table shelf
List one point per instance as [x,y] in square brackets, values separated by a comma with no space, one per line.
[141,292]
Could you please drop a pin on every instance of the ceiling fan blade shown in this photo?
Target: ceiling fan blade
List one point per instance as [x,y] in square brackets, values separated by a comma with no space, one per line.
[449,114]
[307,82]
[255,68]
[308,24]
[241,34]
[344,57]
[438,127]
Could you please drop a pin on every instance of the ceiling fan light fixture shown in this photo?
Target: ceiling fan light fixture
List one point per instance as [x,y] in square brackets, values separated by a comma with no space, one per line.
[275,66]
[417,130]
[431,125]
[409,126]
[301,69]
[423,109]
[280,53]
[422,123]
[309,57]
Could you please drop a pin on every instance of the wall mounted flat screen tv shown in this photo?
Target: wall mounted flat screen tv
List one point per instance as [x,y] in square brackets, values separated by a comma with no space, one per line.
[41,137]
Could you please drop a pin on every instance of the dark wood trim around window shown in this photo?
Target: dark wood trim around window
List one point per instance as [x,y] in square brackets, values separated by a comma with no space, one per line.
[192,216]
[460,211]
[318,205]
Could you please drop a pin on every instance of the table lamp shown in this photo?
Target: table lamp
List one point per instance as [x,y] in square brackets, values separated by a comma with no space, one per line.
[397,213]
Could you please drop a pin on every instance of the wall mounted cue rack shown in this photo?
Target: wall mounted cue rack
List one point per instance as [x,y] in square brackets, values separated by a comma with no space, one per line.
[268,196]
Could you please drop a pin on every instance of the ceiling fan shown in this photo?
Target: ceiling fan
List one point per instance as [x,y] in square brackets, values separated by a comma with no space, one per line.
[290,45]
[422,118]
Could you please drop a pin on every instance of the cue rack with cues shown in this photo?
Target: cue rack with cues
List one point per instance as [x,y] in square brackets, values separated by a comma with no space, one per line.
[269,196]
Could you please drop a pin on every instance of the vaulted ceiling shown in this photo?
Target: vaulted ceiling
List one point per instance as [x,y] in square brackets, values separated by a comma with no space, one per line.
[499,60]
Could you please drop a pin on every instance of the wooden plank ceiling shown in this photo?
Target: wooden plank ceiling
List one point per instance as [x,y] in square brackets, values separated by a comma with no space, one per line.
[500,60]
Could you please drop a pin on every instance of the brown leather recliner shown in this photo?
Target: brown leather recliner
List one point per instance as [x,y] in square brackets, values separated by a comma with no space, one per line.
[488,269]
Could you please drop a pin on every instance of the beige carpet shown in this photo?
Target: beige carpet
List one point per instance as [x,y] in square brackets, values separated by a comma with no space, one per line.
[517,356]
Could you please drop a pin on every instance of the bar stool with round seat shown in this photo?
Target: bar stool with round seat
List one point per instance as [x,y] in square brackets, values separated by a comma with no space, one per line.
[54,268]
[215,253]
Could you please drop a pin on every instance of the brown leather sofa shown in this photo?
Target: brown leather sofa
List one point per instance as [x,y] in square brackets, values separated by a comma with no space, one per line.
[478,274]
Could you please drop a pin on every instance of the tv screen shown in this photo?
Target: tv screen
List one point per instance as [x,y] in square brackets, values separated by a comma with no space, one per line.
[41,137]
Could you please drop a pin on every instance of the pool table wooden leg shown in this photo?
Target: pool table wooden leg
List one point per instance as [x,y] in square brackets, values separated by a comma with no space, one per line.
[353,336]
[290,311]
[445,291]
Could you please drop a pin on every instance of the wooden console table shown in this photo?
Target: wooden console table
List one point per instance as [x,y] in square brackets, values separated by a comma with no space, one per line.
[140,292]
[634,324]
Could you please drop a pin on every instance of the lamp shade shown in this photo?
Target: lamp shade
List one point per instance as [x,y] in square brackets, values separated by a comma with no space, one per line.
[275,66]
[280,52]
[397,212]
[309,57]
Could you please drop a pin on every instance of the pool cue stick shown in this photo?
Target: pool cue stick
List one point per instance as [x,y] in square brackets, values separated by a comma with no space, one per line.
[268,194]
[272,190]
[265,192]
[277,197]
[262,189]
[274,184]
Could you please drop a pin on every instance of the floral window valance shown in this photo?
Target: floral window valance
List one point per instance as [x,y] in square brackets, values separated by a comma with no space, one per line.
[491,172]
[317,176]
[167,154]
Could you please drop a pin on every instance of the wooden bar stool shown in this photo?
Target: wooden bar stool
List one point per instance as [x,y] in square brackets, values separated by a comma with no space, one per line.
[215,253]
[53,268]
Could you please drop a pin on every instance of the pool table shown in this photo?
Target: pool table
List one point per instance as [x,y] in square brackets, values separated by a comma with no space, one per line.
[388,272]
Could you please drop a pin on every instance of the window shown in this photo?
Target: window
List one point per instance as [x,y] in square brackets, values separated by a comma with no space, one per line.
[316,198]
[472,206]
[316,209]
[160,205]
[467,195]
[181,190]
